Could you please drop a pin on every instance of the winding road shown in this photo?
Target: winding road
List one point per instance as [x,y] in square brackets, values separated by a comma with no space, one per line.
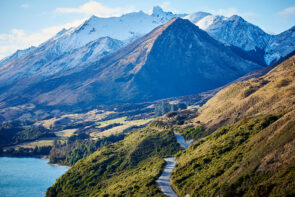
[164,180]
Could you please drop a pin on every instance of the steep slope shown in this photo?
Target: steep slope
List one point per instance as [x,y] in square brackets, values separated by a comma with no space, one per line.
[144,70]
[253,157]
[248,135]
[17,54]
[38,64]
[73,60]
[125,28]
[280,45]
[126,168]
[236,31]
[272,93]
[258,45]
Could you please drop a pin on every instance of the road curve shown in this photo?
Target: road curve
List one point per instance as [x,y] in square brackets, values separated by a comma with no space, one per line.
[164,180]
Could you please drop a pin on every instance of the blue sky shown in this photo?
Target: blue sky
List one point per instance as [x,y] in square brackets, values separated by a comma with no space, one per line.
[31,22]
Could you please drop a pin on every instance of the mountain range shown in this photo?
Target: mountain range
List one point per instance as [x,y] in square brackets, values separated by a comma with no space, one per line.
[114,60]
[162,64]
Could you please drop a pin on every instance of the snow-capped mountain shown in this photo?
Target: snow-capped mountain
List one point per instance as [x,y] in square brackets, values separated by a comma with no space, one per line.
[125,28]
[75,59]
[280,45]
[235,31]
[36,66]
[17,54]
[257,44]
[88,42]
[174,59]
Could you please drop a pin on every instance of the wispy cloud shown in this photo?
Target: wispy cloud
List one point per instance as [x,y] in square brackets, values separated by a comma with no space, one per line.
[19,39]
[95,8]
[290,11]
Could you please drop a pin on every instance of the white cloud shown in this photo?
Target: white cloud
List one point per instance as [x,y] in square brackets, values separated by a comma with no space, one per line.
[290,11]
[19,39]
[94,8]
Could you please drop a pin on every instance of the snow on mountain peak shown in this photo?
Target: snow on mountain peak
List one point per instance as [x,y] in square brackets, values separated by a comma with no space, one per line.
[125,28]
[235,31]
[280,45]
[232,30]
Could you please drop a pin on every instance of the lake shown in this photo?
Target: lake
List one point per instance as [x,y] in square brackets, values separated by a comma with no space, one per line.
[27,176]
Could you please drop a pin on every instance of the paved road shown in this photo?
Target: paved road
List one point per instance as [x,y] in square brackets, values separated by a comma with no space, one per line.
[164,180]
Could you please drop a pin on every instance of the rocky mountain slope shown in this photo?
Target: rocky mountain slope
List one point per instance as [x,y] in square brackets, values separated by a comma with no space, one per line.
[280,45]
[125,28]
[17,54]
[237,32]
[144,70]
[233,30]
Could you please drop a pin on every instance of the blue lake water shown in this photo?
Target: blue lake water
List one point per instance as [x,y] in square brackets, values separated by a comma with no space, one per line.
[27,177]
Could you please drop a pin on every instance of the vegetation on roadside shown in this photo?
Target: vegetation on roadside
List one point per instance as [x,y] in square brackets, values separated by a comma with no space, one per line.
[129,167]
[192,133]
[229,162]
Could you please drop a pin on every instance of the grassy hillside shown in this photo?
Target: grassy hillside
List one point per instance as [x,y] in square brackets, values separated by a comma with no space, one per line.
[255,156]
[247,144]
[271,93]
[128,167]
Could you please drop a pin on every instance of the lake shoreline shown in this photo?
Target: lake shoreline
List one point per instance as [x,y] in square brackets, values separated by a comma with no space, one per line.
[27,176]
[24,155]
[33,156]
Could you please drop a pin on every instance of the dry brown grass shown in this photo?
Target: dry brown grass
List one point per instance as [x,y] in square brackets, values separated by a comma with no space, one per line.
[272,93]
[115,130]
[39,143]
